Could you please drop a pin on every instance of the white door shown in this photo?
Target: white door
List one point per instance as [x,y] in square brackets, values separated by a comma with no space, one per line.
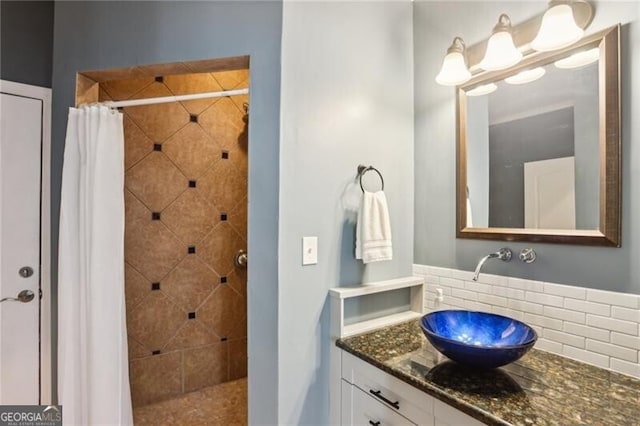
[550,194]
[21,133]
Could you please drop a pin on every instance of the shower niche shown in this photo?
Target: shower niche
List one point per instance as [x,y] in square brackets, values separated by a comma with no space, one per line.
[185,219]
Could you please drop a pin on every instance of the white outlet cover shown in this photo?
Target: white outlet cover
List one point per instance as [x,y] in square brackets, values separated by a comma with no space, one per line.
[309,250]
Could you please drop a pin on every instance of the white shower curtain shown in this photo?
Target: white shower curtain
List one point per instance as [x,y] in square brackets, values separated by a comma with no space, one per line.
[93,373]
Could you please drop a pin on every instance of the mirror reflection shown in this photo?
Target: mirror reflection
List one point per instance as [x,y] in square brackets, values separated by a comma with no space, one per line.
[533,147]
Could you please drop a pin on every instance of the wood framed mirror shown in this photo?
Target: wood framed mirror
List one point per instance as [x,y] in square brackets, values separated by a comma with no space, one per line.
[541,161]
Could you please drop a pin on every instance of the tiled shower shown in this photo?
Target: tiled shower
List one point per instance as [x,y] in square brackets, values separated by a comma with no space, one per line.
[186,218]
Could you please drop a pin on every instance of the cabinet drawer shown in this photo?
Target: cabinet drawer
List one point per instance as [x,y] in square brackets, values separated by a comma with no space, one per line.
[396,395]
[367,411]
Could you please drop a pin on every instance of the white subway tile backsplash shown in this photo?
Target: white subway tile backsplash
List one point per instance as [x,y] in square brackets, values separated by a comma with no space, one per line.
[625,313]
[588,307]
[586,356]
[631,342]
[594,326]
[612,350]
[544,299]
[586,331]
[630,368]
[565,291]
[613,324]
[564,338]
[563,314]
[612,298]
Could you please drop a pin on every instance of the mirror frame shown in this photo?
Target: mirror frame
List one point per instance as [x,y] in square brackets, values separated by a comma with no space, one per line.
[609,232]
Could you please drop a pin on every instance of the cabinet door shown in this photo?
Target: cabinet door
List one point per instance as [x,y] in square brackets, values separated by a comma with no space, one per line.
[446,415]
[362,410]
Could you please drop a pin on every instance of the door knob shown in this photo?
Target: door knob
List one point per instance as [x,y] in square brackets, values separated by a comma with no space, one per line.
[241,259]
[25,296]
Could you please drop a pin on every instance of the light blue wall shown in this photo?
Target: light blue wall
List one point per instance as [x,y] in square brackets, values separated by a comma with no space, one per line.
[435,25]
[102,35]
[347,97]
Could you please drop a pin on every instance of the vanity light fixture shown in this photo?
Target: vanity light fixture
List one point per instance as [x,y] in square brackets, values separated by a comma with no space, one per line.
[558,28]
[501,51]
[454,69]
[526,76]
[579,59]
[485,89]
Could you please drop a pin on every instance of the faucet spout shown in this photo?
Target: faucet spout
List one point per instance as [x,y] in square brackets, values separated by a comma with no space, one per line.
[503,254]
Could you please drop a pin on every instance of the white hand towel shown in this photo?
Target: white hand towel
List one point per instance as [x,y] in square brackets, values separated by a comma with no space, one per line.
[373,229]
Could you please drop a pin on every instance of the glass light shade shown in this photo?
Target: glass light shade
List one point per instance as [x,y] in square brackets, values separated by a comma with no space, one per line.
[454,70]
[579,59]
[526,76]
[501,52]
[557,30]
[482,90]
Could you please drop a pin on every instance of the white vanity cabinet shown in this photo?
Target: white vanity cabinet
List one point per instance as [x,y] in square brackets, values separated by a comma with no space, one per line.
[373,397]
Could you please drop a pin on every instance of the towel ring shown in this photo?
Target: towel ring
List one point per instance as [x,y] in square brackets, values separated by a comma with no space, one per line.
[364,169]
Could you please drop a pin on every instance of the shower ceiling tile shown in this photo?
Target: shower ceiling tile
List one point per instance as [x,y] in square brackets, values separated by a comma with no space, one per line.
[192,150]
[187,84]
[189,283]
[219,247]
[155,378]
[154,251]
[191,335]
[164,69]
[158,121]
[156,181]
[238,218]
[237,359]
[136,286]
[136,144]
[190,217]
[205,366]
[225,313]
[223,121]
[125,89]
[155,320]
[136,350]
[236,79]
[224,185]
[103,96]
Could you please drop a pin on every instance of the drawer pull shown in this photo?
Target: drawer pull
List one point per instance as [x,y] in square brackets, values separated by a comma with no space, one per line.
[372,423]
[378,394]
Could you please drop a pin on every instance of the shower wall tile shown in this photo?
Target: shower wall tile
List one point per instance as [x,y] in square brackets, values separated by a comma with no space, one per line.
[156,181]
[191,216]
[158,121]
[224,185]
[186,84]
[224,312]
[186,164]
[155,378]
[205,366]
[190,283]
[219,247]
[155,321]
[192,334]
[237,359]
[137,145]
[155,251]
[126,89]
[192,150]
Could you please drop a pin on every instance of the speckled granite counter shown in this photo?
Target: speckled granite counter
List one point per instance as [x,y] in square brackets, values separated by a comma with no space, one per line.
[538,389]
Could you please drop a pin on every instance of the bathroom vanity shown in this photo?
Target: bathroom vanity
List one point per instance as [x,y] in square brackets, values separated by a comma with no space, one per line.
[392,375]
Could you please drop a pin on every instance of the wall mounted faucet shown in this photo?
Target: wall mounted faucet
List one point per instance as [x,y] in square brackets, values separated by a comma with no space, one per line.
[503,254]
[528,255]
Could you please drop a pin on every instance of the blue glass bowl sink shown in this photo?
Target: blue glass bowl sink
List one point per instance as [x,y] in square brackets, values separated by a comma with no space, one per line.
[478,339]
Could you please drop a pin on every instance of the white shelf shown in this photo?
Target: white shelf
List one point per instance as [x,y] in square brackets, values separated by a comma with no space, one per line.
[375,287]
[364,326]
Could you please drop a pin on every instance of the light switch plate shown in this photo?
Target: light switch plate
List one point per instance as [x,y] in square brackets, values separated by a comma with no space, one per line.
[309,250]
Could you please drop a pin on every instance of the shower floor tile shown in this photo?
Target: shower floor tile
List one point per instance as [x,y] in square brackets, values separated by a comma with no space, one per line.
[224,404]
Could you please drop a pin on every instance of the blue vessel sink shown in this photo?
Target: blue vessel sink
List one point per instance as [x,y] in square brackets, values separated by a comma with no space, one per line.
[478,339]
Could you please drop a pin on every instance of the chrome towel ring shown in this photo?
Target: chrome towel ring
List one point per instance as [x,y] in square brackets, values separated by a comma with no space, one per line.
[364,169]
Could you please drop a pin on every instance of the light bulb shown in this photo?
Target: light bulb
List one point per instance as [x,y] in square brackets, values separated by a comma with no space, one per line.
[454,69]
[557,30]
[501,52]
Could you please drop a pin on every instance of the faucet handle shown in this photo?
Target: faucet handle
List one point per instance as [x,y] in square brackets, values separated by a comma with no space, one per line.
[505,254]
[528,255]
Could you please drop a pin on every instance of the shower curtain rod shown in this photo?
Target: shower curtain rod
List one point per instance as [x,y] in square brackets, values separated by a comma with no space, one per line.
[165,99]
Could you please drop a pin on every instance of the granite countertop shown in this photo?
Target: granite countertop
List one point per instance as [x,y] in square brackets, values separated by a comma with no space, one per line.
[538,389]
